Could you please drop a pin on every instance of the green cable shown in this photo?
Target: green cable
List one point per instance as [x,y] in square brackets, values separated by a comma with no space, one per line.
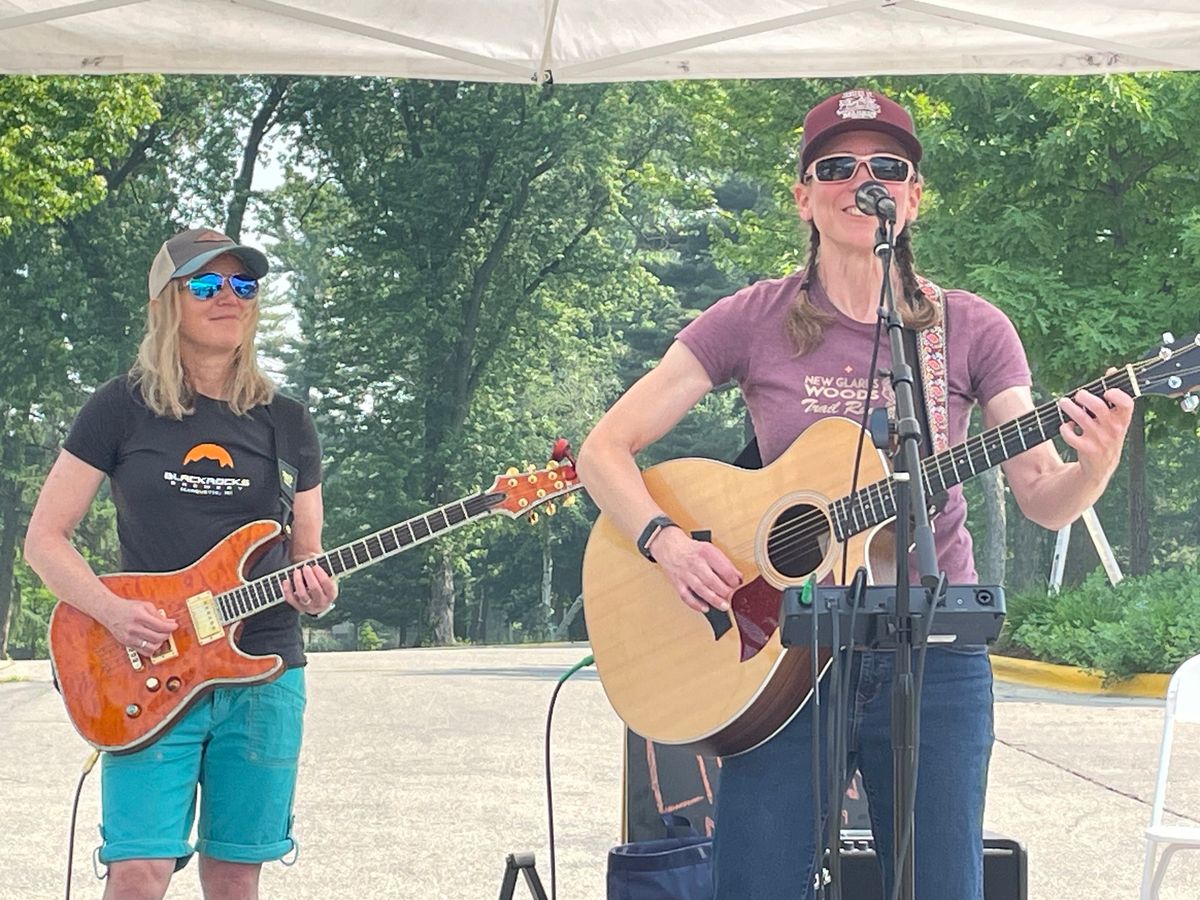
[582,664]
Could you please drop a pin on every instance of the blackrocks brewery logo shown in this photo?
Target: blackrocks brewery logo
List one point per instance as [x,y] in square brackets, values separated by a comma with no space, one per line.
[209,485]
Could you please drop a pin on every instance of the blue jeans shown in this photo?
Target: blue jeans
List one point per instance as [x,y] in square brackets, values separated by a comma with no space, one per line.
[764,846]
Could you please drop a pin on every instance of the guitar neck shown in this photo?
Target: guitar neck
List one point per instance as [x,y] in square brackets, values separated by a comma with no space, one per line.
[876,503]
[255,596]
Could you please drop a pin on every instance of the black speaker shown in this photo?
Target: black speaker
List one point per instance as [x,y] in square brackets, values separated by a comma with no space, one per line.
[1005,868]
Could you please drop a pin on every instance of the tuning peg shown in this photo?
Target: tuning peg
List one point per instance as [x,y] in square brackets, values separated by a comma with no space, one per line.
[533,517]
[552,464]
[512,470]
[531,468]
[568,500]
[551,509]
[1168,338]
[1190,403]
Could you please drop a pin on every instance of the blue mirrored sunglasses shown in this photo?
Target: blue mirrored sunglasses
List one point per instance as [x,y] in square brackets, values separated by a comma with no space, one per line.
[206,285]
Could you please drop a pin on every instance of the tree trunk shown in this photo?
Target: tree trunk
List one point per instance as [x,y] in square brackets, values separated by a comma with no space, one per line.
[441,602]
[262,122]
[1082,557]
[563,631]
[1139,501]
[10,496]
[546,608]
[479,620]
[1033,547]
[8,549]
[994,550]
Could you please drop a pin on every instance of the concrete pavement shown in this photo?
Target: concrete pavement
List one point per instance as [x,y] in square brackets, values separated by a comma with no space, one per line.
[423,768]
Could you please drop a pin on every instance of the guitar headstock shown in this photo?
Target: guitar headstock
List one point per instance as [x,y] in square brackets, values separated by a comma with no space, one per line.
[1174,371]
[523,492]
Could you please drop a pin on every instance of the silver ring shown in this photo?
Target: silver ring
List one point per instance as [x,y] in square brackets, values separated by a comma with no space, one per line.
[145,644]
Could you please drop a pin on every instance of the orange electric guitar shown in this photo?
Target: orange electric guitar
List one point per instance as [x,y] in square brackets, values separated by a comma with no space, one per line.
[722,682]
[120,699]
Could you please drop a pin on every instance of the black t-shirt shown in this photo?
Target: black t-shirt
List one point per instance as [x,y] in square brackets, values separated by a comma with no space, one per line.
[181,486]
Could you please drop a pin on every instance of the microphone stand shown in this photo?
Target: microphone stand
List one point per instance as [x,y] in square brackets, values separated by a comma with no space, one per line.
[912,514]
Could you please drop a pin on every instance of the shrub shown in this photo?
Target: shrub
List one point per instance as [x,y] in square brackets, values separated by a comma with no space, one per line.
[1150,623]
[368,639]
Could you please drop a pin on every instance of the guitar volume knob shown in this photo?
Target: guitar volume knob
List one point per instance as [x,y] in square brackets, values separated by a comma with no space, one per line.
[133,710]
[174,683]
[153,684]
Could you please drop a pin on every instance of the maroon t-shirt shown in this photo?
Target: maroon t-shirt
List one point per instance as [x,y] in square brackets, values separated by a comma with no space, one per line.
[744,338]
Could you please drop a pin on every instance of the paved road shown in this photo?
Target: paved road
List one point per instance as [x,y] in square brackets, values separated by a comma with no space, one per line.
[423,768]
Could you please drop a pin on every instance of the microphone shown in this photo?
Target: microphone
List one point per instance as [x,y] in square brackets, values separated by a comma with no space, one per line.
[873,199]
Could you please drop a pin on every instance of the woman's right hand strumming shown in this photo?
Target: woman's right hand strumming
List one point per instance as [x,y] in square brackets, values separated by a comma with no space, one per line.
[136,623]
[699,572]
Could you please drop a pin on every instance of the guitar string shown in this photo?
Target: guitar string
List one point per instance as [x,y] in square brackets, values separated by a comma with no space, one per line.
[800,530]
[785,539]
[879,492]
[249,594]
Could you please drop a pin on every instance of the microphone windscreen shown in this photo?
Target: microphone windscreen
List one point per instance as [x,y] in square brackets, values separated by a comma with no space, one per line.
[868,195]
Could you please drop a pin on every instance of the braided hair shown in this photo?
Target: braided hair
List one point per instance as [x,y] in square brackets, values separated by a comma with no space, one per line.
[806,323]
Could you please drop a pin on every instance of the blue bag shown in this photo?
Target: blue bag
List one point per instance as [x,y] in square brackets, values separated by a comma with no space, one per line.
[677,867]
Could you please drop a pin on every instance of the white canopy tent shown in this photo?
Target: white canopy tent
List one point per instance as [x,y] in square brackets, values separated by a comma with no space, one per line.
[597,40]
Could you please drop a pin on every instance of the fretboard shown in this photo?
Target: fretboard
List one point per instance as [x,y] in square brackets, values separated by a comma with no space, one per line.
[255,596]
[876,503]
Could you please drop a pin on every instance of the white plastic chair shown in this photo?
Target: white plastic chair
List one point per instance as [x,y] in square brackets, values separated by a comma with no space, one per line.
[1183,705]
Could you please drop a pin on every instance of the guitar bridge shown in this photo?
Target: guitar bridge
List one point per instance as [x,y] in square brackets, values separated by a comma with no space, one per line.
[206,618]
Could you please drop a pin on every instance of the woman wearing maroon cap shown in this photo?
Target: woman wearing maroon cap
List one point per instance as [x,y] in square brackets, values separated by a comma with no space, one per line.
[800,348]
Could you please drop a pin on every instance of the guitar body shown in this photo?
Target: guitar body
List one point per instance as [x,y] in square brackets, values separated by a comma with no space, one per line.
[121,699]
[678,677]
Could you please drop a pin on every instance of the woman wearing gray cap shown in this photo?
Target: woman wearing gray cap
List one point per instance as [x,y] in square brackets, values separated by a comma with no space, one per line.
[188,441]
[801,349]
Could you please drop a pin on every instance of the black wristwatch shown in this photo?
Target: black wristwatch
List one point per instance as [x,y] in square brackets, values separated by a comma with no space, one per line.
[650,532]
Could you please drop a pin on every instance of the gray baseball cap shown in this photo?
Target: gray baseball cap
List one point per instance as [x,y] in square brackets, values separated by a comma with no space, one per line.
[189,251]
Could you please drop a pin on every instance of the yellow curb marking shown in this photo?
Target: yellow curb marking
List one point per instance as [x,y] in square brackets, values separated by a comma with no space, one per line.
[1068,678]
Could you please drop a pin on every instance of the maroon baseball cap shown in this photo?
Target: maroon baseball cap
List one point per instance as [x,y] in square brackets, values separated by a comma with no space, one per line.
[857,110]
[185,253]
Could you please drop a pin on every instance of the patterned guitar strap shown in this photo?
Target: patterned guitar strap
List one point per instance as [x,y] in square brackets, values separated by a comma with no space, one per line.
[931,356]
[933,387]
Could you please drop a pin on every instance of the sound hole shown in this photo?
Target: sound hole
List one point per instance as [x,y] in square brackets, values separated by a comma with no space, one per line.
[799,540]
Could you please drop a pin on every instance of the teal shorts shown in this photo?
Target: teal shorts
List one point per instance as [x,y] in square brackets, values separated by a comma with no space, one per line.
[238,748]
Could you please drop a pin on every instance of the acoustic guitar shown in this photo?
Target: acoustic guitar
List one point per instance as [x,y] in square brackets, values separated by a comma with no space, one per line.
[721,682]
[121,698]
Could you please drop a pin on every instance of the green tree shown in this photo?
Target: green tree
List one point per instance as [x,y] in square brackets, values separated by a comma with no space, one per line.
[476,267]
[56,137]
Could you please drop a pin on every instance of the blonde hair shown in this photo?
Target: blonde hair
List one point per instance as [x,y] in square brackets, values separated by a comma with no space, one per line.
[159,370]
[806,323]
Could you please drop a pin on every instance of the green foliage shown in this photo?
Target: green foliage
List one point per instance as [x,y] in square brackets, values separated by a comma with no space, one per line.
[30,615]
[57,136]
[368,639]
[1146,624]
[463,272]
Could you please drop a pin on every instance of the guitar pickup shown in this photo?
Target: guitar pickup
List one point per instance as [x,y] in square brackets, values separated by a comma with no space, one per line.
[206,618]
[167,649]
